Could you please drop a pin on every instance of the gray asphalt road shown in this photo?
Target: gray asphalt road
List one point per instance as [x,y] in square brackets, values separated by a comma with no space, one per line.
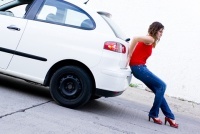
[29,109]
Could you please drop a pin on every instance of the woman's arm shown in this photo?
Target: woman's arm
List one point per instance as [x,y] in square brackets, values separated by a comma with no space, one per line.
[148,40]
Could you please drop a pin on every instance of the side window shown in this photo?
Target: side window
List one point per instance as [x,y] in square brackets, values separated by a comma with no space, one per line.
[64,13]
[47,13]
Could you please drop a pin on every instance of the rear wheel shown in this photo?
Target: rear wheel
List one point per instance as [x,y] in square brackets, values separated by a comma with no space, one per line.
[71,86]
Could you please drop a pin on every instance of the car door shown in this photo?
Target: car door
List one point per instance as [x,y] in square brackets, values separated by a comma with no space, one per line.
[56,34]
[11,30]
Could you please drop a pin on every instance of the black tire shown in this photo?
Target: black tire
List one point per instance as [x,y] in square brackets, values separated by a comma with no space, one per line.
[70,86]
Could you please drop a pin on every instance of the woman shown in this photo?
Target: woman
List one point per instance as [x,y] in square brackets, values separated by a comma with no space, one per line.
[139,51]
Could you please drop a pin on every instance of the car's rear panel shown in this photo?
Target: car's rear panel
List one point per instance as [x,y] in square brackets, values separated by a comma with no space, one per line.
[113,75]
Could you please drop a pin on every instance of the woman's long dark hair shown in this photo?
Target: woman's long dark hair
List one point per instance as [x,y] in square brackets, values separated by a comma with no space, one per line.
[153,29]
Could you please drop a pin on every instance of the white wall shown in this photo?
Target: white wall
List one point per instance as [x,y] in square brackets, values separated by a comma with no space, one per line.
[176,59]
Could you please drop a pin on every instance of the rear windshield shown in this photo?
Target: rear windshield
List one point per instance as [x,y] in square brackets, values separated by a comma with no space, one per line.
[115,28]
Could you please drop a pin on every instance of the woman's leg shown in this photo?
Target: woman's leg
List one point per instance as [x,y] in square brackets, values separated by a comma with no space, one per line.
[157,86]
[164,106]
[166,110]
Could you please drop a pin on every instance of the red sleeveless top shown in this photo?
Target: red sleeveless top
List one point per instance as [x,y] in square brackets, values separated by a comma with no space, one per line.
[140,54]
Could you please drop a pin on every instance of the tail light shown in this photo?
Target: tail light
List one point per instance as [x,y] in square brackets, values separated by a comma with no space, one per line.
[115,46]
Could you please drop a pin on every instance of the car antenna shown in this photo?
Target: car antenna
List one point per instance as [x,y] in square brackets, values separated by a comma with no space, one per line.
[86,2]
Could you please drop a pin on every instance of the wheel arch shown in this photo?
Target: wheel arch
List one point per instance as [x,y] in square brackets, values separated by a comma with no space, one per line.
[63,63]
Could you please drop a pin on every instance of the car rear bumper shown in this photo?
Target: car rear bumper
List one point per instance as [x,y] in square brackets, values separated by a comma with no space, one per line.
[113,82]
[105,93]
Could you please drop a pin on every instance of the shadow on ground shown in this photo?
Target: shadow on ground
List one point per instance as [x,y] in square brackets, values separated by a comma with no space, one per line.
[18,85]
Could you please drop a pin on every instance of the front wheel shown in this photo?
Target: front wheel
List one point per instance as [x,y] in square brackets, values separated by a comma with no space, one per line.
[71,86]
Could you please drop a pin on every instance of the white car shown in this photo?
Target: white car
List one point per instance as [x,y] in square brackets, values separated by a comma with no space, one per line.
[79,53]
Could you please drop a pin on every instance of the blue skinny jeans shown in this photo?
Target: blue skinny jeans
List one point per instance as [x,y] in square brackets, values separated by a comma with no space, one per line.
[157,86]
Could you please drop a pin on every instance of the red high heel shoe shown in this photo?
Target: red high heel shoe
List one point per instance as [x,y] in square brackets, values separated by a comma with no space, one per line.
[175,125]
[157,121]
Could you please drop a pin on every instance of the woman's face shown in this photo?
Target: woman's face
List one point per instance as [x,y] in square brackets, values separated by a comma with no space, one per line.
[159,33]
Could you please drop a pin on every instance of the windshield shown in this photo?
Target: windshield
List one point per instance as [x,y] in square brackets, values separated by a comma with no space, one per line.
[115,28]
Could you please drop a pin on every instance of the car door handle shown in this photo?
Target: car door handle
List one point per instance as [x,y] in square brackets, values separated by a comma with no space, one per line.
[13,28]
